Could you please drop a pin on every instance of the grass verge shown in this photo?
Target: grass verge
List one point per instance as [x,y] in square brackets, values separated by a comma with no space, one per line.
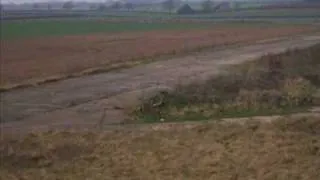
[275,84]
[248,150]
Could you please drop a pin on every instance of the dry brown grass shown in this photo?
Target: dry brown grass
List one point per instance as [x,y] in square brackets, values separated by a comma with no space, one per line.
[283,149]
[33,61]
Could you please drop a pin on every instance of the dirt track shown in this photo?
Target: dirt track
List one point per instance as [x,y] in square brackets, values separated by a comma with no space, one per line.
[82,101]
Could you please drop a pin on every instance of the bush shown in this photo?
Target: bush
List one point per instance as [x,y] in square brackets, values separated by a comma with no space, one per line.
[298,92]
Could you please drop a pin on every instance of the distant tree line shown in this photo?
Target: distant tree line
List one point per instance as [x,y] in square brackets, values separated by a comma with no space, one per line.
[68,5]
[169,5]
[312,1]
[116,6]
[100,7]
[207,6]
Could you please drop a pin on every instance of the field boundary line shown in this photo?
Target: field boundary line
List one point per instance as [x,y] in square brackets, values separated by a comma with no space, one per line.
[15,129]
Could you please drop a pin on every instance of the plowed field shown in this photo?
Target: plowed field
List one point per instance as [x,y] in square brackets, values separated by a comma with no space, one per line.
[29,60]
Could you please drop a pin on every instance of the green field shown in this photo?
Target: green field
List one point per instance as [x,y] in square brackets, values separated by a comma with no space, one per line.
[43,28]
[95,24]
[38,28]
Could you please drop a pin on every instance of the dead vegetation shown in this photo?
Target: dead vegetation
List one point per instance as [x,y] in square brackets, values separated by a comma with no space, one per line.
[286,149]
[274,84]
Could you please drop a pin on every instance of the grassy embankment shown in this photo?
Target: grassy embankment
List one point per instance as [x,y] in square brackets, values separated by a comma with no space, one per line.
[275,84]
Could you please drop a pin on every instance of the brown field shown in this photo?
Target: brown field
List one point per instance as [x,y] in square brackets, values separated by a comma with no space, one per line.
[32,60]
[284,149]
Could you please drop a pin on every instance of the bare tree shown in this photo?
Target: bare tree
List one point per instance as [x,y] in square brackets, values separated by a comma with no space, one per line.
[35,6]
[68,5]
[169,5]
[93,7]
[116,5]
[49,7]
[207,6]
[128,6]
[102,7]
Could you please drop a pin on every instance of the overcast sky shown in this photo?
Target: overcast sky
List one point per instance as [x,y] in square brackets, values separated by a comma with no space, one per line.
[33,1]
[30,1]
[19,1]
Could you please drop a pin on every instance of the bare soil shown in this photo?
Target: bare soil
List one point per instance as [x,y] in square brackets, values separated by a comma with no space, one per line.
[82,101]
[35,60]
